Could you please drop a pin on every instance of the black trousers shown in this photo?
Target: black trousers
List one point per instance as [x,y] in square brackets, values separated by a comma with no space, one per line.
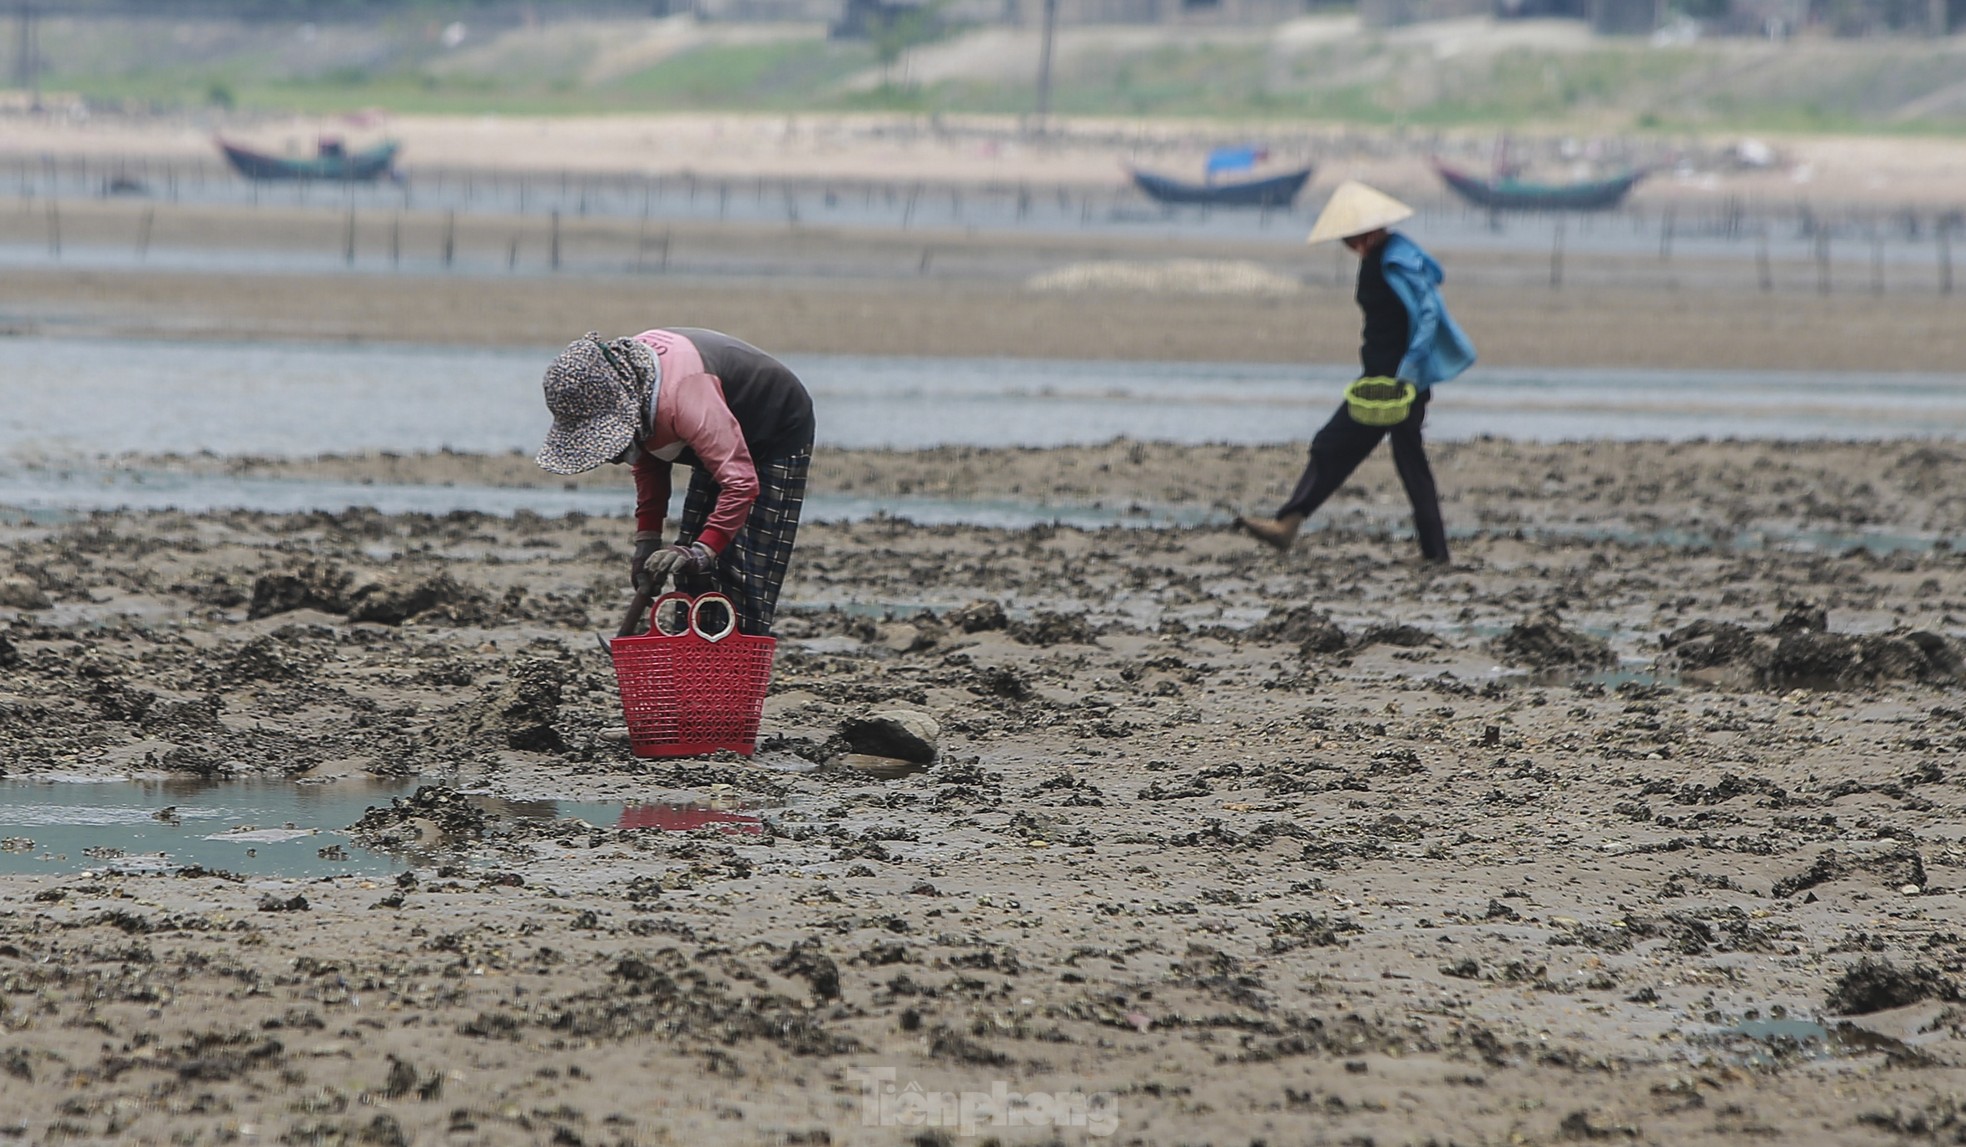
[1344,443]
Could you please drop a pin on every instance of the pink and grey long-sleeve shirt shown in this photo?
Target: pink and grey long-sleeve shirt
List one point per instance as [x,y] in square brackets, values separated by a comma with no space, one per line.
[721,406]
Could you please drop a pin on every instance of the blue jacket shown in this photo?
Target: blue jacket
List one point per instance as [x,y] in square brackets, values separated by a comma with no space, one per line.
[1436,349]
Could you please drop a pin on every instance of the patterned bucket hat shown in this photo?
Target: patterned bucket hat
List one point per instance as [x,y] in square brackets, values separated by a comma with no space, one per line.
[593,390]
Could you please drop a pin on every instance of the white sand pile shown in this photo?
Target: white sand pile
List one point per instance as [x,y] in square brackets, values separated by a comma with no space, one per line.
[1173,277]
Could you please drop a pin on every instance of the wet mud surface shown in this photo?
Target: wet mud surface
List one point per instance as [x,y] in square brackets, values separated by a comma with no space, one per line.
[1815,495]
[944,291]
[1581,837]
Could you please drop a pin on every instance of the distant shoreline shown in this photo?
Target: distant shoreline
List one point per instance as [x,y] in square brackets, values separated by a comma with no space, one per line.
[1830,172]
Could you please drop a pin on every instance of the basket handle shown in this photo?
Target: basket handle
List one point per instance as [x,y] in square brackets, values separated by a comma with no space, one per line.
[655,614]
[695,618]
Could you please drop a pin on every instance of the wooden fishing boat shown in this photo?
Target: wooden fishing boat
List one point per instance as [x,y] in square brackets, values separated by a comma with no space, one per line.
[331,162]
[1268,191]
[1508,193]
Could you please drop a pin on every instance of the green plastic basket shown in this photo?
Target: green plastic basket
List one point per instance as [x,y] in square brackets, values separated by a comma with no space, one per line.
[1379,401]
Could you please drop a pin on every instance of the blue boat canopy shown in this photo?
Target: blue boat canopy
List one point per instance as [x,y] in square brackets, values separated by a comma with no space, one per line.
[1236,158]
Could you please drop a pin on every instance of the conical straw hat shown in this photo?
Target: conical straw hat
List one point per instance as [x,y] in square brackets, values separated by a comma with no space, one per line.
[1355,209]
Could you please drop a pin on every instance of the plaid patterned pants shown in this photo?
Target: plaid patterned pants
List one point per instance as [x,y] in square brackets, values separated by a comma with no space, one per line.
[752,567]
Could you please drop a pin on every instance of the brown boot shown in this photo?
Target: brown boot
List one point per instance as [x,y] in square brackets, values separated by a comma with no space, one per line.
[1277,533]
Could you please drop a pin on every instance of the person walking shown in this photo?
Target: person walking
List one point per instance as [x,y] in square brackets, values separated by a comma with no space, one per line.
[739,418]
[1409,338]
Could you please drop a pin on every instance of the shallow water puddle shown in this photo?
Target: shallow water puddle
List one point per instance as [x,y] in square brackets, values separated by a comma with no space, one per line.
[1634,674]
[1775,1041]
[53,496]
[198,396]
[45,497]
[263,828]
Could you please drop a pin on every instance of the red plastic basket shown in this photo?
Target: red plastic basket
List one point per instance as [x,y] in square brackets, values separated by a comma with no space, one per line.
[692,692]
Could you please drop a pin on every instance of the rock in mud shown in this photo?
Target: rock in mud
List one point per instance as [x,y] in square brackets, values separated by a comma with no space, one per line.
[979,616]
[1587,1125]
[1874,985]
[183,759]
[1809,657]
[808,961]
[879,768]
[1799,652]
[183,714]
[1001,681]
[1802,617]
[261,659]
[521,714]
[433,815]
[899,734]
[1308,627]
[392,601]
[1894,869]
[1842,661]
[1944,660]
[1048,628]
[1544,642]
[17,592]
[9,654]
[1925,469]
[1716,653]
[916,636]
[386,599]
[1403,636]
[316,585]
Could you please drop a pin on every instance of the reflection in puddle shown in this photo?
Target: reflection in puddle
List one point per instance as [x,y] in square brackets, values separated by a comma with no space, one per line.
[267,827]
[685,817]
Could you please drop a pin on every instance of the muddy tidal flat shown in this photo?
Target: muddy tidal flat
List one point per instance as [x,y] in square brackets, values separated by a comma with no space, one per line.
[1641,821]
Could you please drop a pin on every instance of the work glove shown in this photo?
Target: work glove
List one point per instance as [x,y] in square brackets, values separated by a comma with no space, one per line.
[645,548]
[678,561]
